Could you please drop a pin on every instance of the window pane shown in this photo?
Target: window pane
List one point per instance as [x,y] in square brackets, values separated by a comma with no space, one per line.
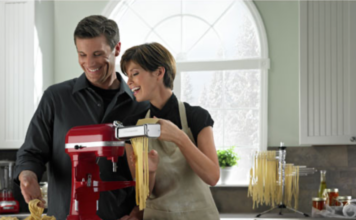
[242,89]
[194,29]
[204,49]
[152,11]
[167,34]
[233,100]
[241,38]
[191,30]
[241,128]
[210,11]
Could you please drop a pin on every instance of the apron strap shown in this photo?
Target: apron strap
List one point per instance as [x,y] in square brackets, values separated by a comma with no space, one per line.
[183,115]
[148,114]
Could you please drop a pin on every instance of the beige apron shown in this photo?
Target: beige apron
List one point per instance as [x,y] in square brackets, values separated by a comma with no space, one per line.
[179,193]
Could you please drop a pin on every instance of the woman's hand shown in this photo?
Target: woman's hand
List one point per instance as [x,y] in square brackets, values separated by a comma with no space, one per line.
[169,131]
[153,160]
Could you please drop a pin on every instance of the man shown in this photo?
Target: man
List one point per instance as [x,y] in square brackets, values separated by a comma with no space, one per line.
[99,95]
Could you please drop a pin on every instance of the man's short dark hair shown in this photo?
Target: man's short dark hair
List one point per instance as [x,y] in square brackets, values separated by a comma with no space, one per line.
[95,26]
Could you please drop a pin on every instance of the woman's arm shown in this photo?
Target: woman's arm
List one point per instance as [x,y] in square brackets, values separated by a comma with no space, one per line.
[202,159]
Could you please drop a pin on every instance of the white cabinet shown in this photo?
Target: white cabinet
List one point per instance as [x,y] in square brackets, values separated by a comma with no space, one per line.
[327,72]
[16,71]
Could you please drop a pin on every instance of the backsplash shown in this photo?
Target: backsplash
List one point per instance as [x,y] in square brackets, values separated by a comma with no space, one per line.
[338,161]
[8,155]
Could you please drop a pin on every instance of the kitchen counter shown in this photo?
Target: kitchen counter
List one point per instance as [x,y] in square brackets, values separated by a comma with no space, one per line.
[18,215]
[289,216]
[268,216]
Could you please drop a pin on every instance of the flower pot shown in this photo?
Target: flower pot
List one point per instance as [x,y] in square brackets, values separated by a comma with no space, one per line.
[224,174]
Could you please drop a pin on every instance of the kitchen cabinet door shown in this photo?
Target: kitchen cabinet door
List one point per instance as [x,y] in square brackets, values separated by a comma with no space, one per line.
[16,71]
[327,72]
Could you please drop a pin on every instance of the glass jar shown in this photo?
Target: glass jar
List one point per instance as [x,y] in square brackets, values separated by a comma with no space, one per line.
[345,200]
[319,203]
[322,185]
[332,195]
[44,187]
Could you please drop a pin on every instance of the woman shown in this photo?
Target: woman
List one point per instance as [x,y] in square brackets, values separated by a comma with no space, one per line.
[187,157]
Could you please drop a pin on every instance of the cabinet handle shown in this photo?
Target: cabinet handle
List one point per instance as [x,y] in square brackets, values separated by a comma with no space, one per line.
[353,139]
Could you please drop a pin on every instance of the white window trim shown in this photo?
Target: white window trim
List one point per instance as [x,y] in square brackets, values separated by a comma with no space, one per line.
[262,63]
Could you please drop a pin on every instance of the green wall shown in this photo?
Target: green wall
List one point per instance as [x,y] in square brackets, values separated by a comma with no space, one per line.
[44,22]
[281,19]
[67,14]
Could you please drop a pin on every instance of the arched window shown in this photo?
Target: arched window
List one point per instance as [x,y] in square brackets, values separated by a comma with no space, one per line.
[222,62]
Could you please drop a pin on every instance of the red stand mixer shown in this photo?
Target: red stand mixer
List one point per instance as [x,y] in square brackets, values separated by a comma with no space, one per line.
[8,204]
[84,144]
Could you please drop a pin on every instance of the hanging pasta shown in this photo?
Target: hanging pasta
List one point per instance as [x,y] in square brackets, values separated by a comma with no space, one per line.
[36,211]
[140,148]
[265,187]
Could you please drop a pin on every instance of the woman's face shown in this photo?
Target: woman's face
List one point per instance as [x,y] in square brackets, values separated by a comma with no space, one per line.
[143,84]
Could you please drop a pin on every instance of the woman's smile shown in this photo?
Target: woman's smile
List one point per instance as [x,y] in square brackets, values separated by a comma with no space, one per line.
[135,90]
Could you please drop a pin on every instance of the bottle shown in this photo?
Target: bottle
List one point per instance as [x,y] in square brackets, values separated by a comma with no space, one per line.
[322,186]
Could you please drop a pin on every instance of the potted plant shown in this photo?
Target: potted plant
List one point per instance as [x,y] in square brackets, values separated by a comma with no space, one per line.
[227,159]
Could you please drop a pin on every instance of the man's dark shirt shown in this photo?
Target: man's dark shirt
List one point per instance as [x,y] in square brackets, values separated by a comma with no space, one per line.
[63,106]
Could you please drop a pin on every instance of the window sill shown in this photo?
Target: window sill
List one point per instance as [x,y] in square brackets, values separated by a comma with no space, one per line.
[231,185]
[232,182]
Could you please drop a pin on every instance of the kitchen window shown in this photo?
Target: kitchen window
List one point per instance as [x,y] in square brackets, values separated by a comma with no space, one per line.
[222,63]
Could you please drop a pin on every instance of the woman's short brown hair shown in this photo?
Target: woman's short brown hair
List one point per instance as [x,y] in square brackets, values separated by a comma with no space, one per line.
[150,56]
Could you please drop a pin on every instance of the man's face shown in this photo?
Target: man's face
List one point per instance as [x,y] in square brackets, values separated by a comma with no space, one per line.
[97,60]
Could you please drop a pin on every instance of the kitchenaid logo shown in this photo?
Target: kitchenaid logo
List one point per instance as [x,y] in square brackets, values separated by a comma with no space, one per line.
[8,208]
[131,130]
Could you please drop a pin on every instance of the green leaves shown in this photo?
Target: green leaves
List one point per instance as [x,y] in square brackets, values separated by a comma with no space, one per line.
[227,157]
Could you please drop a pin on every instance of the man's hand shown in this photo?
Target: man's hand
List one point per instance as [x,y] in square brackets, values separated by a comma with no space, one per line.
[30,188]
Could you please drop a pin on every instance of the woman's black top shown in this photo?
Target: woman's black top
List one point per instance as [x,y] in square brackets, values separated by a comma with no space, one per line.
[197,117]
